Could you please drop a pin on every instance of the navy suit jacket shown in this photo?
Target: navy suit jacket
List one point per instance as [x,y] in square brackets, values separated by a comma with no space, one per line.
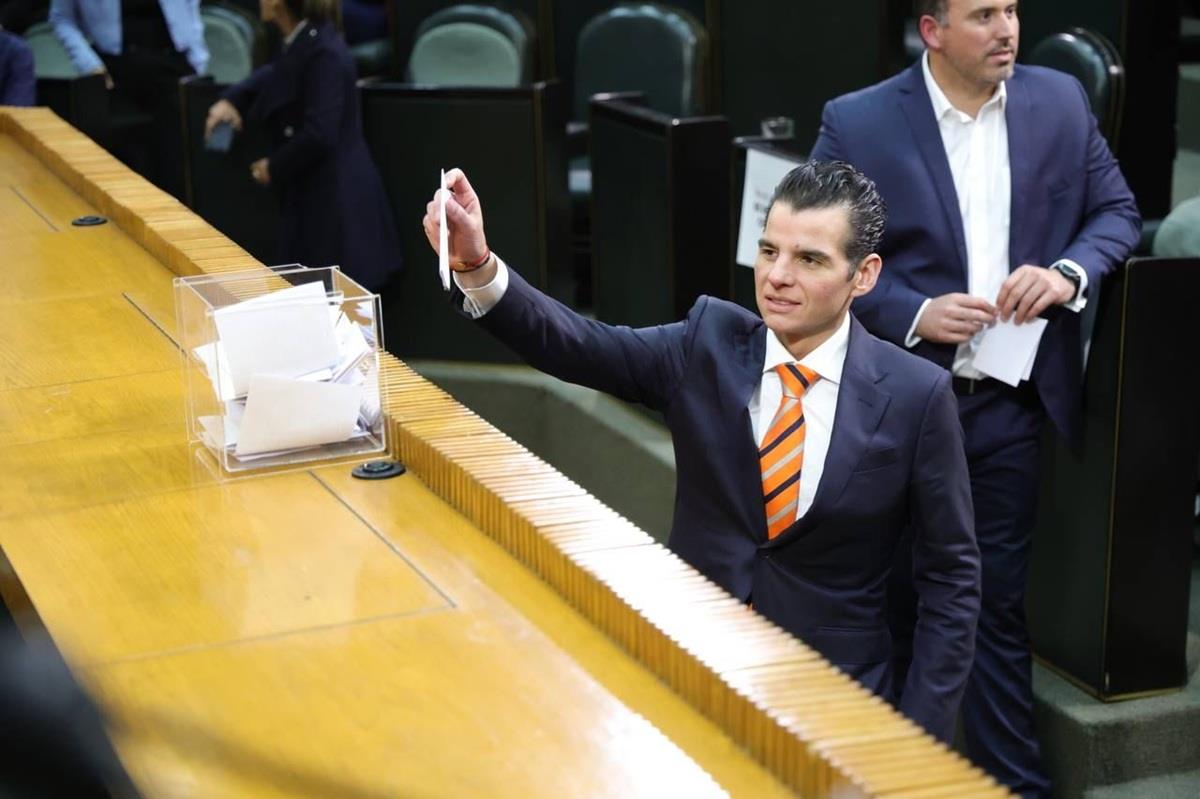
[333,209]
[17,84]
[895,459]
[1069,200]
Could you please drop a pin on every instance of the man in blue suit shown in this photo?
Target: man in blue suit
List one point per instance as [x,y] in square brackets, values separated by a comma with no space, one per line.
[17,82]
[804,446]
[1006,204]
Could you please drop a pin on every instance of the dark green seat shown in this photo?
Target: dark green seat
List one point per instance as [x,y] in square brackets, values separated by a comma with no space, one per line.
[1095,62]
[230,41]
[657,50]
[472,45]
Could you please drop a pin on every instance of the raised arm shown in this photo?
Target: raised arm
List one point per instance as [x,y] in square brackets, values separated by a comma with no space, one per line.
[639,365]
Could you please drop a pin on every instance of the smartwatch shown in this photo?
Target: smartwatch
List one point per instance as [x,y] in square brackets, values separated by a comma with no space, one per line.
[1070,274]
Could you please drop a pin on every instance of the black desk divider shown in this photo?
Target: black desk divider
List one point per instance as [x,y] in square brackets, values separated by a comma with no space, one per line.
[218,186]
[741,278]
[789,58]
[1112,551]
[81,101]
[511,144]
[660,212]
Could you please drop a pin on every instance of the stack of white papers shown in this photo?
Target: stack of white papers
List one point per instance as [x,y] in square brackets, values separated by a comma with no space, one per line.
[291,371]
[1006,350]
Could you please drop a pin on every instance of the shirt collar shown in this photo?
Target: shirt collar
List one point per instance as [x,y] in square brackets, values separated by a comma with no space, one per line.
[826,360]
[291,37]
[941,104]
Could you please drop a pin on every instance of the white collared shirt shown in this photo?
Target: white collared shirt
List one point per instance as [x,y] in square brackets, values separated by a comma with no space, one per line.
[819,403]
[977,150]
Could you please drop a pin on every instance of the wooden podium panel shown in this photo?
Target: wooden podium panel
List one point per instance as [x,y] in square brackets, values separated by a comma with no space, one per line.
[478,627]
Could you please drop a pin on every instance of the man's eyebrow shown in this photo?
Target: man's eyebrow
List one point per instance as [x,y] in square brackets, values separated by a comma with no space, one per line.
[816,255]
[764,243]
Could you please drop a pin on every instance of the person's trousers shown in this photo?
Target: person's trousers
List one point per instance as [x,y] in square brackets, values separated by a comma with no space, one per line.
[1002,432]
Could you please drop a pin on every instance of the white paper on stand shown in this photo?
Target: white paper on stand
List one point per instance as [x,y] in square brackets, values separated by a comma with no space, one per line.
[443,236]
[1006,351]
[282,413]
[763,173]
[287,333]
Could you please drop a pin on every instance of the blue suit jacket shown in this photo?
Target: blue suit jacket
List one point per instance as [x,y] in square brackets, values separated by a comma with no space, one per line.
[17,83]
[895,458]
[1069,200]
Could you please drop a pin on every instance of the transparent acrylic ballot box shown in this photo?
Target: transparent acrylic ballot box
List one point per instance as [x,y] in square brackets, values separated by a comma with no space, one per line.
[280,367]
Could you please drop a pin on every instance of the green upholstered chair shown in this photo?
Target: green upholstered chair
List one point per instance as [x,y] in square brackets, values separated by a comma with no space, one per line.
[230,39]
[1178,236]
[472,45]
[50,59]
[658,50]
[1095,62]
[372,57]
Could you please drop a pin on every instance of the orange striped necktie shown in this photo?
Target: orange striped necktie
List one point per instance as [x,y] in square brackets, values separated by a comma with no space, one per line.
[782,451]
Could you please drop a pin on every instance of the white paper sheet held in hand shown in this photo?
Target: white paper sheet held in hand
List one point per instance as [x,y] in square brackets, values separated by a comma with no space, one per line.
[443,236]
[1006,351]
[287,332]
[282,413]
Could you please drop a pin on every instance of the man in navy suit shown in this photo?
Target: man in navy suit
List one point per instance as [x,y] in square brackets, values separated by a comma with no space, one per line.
[1006,204]
[804,446]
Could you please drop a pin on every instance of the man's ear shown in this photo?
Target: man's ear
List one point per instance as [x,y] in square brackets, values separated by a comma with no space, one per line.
[931,32]
[866,275]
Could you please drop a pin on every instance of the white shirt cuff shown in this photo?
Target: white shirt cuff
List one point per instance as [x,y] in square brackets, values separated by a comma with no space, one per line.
[912,339]
[1080,301]
[478,301]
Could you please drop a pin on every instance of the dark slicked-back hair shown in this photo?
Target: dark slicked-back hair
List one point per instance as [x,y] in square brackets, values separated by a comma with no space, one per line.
[934,8]
[829,184]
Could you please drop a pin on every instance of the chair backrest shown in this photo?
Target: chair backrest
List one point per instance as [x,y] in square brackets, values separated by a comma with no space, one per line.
[50,58]
[1095,62]
[472,45]
[230,41]
[660,51]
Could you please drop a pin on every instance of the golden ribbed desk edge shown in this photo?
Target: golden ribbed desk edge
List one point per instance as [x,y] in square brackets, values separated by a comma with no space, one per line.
[814,728]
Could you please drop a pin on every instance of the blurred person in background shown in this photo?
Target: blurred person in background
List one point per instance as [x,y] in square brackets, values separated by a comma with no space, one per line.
[17,82]
[332,205]
[143,48]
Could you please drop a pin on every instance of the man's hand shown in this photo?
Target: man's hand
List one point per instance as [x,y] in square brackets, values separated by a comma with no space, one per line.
[955,318]
[222,111]
[1030,290]
[464,218]
[260,170]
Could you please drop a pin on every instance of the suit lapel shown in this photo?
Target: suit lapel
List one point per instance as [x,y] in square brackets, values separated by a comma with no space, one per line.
[749,350]
[918,110]
[860,407]
[1017,114]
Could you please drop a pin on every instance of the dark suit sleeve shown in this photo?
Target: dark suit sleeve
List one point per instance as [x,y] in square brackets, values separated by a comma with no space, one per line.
[324,98]
[889,310]
[946,571]
[1111,224]
[18,79]
[243,93]
[638,365]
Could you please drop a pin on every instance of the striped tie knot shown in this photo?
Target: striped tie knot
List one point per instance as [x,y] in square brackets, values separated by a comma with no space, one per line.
[781,454]
[796,379]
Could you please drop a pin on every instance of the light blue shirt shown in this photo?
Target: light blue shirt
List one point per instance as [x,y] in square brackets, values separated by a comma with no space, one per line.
[82,24]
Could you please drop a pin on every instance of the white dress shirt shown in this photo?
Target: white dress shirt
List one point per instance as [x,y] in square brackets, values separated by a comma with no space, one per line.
[977,149]
[819,402]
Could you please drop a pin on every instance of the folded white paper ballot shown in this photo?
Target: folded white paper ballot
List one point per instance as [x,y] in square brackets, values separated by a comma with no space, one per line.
[443,236]
[282,413]
[287,333]
[1006,351]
